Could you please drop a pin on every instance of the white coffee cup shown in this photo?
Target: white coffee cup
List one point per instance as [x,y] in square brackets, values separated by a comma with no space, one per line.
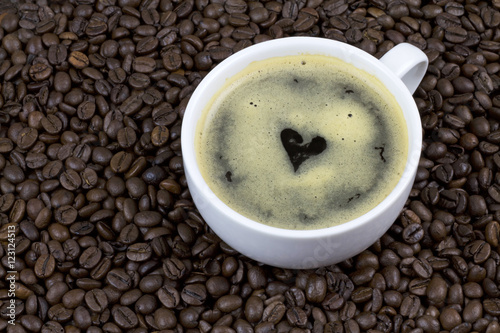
[400,70]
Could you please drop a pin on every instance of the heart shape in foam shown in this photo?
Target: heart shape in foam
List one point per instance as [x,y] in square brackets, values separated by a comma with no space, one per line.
[298,152]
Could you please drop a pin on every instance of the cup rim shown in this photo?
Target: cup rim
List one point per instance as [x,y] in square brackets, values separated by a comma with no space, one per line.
[300,44]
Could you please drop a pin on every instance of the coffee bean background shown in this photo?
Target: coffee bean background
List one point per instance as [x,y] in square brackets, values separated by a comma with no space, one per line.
[92,96]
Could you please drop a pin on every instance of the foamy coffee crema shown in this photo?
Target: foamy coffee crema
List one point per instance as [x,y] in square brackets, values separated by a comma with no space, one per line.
[302,142]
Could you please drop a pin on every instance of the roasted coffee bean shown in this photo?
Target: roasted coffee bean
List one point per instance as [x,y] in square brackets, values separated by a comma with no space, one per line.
[70,180]
[413,233]
[228,303]
[86,110]
[194,294]
[90,257]
[78,59]
[40,71]
[438,289]
[124,317]
[144,65]
[27,138]
[119,279]
[95,299]
[126,137]
[422,268]
[160,136]
[361,294]
[491,306]
[254,308]
[274,312]
[51,124]
[315,288]
[139,81]
[120,162]
[333,301]
[57,54]
[139,252]
[45,266]
[169,296]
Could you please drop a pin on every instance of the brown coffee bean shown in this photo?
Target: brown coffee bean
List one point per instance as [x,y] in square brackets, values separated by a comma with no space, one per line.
[119,279]
[217,286]
[450,318]
[139,252]
[90,257]
[139,80]
[45,266]
[86,110]
[333,301]
[73,298]
[147,218]
[78,59]
[361,294]
[274,312]
[422,268]
[195,294]
[169,296]
[491,306]
[492,233]
[40,71]
[254,308]
[165,318]
[70,180]
[160,136]
[315,288]
[428,323]
[51,124]
[124,317]
[437,290]
[413,233]
[57,54]
[121,161]
[479,250]
[27,138]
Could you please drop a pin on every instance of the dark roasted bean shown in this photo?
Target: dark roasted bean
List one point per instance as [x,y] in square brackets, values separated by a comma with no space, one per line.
[195,294]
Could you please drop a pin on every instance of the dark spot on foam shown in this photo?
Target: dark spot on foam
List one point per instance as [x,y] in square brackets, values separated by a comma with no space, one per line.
[301,84]
[224,165]
[349,91]
[381,152]
[268,213]
[306,219]
[356,196]
[349,115]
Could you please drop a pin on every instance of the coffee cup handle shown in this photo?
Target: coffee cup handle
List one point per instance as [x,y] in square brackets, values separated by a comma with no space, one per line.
[408,62]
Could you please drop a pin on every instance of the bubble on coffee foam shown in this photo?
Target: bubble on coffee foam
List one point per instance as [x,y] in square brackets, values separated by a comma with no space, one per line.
[262,177]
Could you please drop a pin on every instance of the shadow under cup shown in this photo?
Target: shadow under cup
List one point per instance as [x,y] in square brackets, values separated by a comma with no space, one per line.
[298,249]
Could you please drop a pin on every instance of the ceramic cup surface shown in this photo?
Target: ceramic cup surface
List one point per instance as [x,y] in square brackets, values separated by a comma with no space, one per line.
[400,70]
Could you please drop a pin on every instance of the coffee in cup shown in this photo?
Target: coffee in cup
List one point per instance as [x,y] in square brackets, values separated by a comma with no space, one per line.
[400,70]
[302,142]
